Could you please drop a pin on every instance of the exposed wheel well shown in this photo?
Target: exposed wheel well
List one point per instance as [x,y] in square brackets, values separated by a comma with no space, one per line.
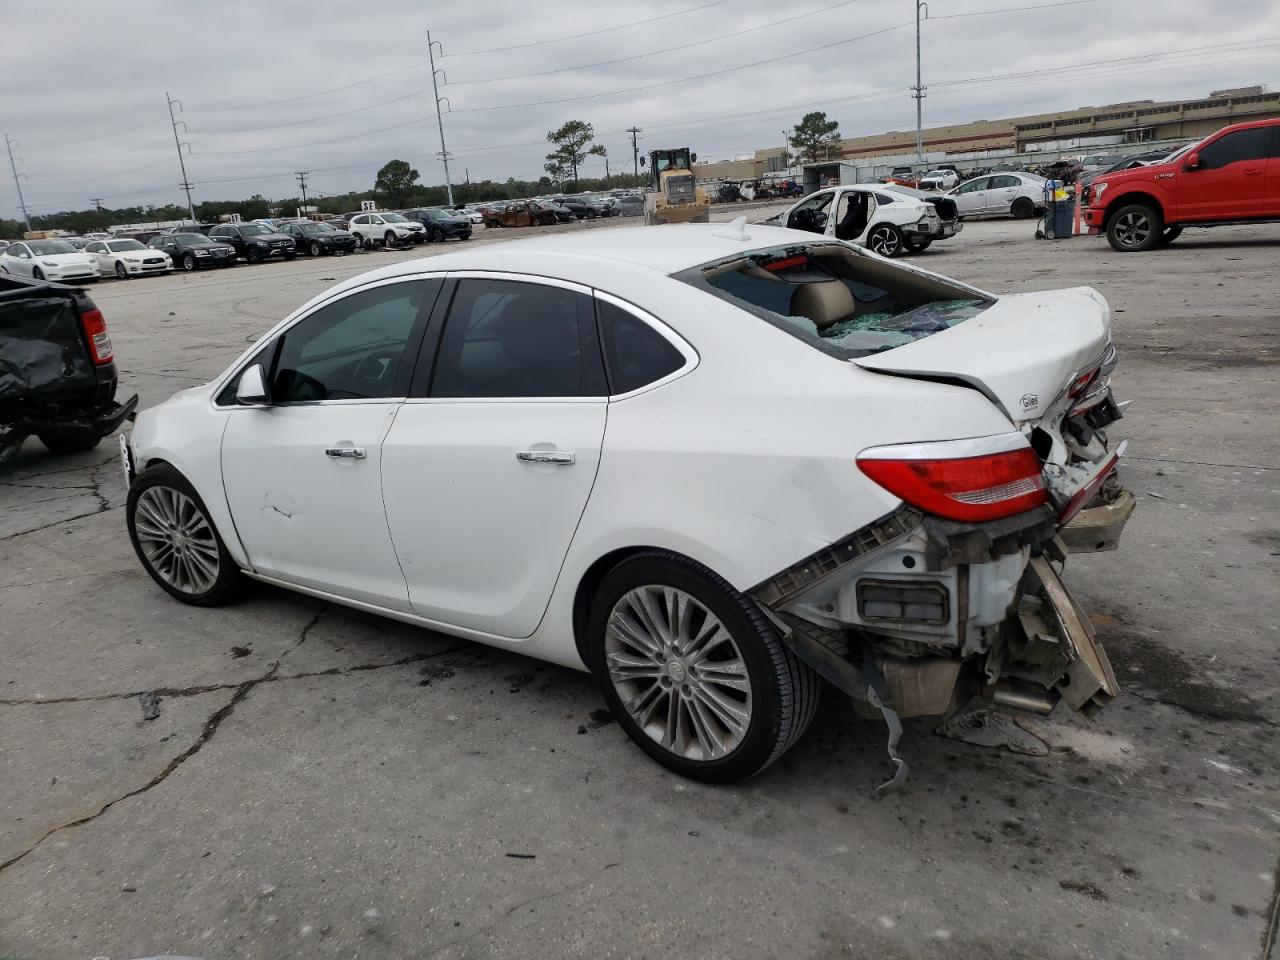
[1128,199]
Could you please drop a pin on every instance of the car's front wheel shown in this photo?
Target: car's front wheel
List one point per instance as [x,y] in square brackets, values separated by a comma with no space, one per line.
[1135,228]
[315,248]
[695,673]
[886,240]
[188,262]
[121,272]
[176,540]
[389,239]
[37,274]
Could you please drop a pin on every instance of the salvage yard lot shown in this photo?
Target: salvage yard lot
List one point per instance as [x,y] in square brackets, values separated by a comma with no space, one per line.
[325,784]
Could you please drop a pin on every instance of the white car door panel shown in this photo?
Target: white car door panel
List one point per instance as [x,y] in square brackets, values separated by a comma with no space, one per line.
[486,478]
[303,473]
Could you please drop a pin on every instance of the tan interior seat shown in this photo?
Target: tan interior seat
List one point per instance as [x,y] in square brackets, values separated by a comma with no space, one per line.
[824,303]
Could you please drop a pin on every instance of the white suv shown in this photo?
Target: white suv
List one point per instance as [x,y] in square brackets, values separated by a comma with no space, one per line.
[385,228]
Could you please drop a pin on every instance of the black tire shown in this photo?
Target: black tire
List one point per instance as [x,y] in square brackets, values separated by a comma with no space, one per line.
[37,273]
[919,244]
[315,248]
[1170,234]
[783,690]
[1135,228]
[289,257]
[253,255]
[886,240]
[389,239]
[121,272]
[229,580]
[189,262]
[1022,208]
[359,241]
[56,444]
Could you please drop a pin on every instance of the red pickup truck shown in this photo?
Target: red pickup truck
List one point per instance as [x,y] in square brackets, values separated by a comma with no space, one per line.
[1232,176]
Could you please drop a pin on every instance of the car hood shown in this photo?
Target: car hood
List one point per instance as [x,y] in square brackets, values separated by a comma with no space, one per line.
[62,259]
[1021,351]
[270,237]
[211,245]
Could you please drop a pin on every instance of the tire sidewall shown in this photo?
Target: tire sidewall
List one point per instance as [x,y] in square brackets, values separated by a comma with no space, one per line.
[188,262]
[896,232]
[229,575]
[1153,238]
[764,728]
[315,248]
[121,272]
[1022,209]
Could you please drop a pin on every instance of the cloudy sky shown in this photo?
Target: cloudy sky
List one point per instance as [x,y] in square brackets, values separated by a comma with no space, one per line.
[338,88]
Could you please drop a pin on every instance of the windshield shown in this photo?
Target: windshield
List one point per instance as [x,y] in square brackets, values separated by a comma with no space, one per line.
[190,238]
[120,246]
[837,299]
[50,248]
[311,229]
[393,218]
[253,230]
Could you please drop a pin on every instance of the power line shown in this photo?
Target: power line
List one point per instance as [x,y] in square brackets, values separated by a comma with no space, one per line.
[590,33]
[313,143]
[308,96]
[106,136]
[296,123]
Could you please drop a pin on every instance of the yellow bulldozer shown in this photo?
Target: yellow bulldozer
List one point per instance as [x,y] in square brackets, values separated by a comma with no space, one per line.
[674,195]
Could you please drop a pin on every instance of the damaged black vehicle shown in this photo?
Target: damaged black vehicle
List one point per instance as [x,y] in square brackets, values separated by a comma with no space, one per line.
[57,369]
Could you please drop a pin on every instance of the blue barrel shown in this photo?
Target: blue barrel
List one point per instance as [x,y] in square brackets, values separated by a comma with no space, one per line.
[1058,219]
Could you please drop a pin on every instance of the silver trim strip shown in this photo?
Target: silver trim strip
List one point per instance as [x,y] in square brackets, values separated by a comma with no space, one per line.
[948,449]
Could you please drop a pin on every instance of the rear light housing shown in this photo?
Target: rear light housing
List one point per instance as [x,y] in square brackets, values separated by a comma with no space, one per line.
[95,332]
[975,480]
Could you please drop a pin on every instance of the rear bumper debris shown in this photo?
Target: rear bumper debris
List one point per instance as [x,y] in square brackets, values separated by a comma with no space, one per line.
[1096,529]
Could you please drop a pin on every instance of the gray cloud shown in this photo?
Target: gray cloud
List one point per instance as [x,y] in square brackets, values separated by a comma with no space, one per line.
[85,83]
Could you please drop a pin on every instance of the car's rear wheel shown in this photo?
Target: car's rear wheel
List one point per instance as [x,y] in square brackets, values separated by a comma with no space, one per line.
[121,272]
[1170,234]
[694,672]
[176,540]
[1022,208]
[315,248]
[188,262]
[56,444]
[886,240]
[359,241]
[918,244]
[1134,228]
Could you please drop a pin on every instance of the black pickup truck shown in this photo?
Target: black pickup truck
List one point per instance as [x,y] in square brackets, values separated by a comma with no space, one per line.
[57,370]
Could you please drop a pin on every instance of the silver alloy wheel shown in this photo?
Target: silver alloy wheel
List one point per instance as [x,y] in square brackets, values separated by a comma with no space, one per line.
[884,241]
[678,672]
[177,539]
[1132,229]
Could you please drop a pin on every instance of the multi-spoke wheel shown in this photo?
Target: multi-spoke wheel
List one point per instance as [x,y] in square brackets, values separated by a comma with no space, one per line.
[175,539]
[1135,227]
[886,240]
[695,673]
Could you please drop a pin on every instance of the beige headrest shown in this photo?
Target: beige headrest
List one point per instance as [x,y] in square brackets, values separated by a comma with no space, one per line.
[824,303]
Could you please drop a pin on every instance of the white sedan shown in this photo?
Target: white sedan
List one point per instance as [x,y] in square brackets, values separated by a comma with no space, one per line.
[127,258]
[682,465]
[890,220]
[48,260]
[1018,195]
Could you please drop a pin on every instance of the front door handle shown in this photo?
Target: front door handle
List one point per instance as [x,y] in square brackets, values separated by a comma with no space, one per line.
[545,456]
[346,453]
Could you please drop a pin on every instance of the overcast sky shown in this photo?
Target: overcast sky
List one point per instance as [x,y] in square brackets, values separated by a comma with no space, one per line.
[84,84]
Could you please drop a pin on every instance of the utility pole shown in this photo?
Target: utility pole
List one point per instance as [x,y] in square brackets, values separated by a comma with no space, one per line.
[919,88]
[186,184]
[786,150]
[635,150]
[435,89]
[9,145]
[302,182]
[97,203]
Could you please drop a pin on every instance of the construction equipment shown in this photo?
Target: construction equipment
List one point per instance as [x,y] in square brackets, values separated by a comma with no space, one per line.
[674,196]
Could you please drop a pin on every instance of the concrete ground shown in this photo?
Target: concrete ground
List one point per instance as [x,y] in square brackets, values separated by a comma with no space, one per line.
[322,783]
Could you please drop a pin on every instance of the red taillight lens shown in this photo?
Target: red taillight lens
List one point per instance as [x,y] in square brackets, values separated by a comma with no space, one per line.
[1081,383]
[95,331]
[985,486]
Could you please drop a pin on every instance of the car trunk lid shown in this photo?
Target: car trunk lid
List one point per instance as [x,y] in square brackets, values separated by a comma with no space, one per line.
[1020,351]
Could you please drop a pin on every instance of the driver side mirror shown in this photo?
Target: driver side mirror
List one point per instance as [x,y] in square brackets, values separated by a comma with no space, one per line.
[252,388]
[1193,162]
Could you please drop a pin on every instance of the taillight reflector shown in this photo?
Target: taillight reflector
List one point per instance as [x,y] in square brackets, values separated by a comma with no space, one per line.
[974,488]
[95,331]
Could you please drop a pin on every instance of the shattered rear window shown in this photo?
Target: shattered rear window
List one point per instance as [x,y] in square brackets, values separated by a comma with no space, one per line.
[876,307]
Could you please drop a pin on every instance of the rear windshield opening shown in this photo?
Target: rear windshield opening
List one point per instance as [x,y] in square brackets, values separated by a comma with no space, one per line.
[840,301]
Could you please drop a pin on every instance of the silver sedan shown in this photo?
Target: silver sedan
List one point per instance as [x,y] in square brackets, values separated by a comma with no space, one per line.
[1018,195]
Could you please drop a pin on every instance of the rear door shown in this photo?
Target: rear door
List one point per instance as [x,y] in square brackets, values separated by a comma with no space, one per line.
[1230,181]
[488,468]
[1002,192]
[1272,185]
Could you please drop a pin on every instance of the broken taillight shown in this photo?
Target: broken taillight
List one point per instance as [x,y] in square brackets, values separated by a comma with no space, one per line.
[970,480]
[95,331]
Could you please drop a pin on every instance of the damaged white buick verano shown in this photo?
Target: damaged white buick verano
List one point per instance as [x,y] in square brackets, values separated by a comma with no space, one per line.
[710,463]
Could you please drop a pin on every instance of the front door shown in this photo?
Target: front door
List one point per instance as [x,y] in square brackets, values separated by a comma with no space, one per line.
[303,473]
[487,471]
[971,198]
[811,213]
[1230,180]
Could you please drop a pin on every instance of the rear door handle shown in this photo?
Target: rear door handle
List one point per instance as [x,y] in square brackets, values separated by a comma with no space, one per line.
[545,456]
[346,453]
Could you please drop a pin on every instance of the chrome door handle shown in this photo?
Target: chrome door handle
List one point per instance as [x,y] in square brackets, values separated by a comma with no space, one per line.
[345,453]
[545,456]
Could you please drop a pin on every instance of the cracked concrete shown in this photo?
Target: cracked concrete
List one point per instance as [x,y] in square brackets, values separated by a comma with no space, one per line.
[324,783]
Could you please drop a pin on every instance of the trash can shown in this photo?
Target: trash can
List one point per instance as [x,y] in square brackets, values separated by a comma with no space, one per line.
[1058,219]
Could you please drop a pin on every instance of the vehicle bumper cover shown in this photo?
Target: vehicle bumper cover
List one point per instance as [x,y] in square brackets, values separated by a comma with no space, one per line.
[100,422]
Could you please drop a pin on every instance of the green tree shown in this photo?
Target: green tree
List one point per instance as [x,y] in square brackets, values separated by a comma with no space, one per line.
[572,146]
[395,181]
[815,137]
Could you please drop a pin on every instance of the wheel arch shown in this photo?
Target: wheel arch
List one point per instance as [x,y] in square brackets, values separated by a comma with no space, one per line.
[1132,197]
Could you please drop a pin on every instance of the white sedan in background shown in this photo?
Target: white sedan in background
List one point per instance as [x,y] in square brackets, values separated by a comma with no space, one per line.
[48,260]
[680,465]
[889,221]
[127,258]
[1018,195]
